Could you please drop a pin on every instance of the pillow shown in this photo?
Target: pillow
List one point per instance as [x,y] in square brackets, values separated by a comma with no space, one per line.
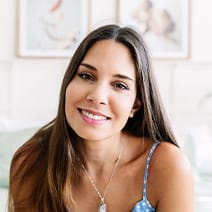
[9,143]
[202,141]
[17,125]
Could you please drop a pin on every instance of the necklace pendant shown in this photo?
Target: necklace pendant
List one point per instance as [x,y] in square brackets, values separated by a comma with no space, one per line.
[102,207]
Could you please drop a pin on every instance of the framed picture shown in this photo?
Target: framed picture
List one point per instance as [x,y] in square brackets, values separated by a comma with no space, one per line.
[104,17]
[50,28]
[164,25]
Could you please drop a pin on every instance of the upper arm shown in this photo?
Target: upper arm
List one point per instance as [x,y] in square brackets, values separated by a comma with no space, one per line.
[174,179]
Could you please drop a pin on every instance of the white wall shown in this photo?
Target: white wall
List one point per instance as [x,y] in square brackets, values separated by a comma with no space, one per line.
[29,88]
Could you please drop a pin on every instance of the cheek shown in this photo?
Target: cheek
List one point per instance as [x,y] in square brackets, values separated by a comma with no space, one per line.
[72,91]
[68,94]
[74,94]
[69,97]
[67,102]
[124,106]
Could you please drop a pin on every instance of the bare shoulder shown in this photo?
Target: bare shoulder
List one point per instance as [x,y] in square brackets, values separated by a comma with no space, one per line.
[171,157]
[172,174]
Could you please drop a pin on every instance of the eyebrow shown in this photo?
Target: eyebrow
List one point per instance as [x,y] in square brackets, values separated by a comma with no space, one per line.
[88,66]
[116,75]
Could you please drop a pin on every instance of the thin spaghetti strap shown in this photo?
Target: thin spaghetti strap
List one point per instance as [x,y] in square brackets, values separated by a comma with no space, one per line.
[147,168]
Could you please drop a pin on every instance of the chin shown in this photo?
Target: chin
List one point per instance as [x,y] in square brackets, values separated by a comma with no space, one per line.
[97,136]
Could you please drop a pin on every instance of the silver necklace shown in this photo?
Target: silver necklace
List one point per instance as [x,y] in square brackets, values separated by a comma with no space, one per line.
[102,205]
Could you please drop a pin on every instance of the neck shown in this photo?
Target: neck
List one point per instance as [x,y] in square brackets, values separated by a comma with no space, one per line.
[102,153]
[106,175]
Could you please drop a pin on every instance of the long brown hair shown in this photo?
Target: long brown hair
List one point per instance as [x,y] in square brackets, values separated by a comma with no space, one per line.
[60,152]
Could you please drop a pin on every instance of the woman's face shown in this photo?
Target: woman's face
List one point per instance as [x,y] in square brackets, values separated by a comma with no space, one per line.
[101,97]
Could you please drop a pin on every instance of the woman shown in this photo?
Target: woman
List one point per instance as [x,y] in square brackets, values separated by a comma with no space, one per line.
[110,147]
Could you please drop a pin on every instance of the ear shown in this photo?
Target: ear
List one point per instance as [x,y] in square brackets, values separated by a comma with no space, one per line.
[135,108]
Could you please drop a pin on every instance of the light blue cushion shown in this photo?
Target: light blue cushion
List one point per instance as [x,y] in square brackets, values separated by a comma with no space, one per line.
[9,143]
[3,199]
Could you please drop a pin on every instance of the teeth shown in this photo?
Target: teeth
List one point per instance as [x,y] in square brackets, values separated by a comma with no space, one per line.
[92,116]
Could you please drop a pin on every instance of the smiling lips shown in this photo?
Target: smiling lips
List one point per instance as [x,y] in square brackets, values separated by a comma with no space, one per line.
[93,116]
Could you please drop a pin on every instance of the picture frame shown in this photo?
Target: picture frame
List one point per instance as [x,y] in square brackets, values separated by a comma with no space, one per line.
[164,25]
[50,28]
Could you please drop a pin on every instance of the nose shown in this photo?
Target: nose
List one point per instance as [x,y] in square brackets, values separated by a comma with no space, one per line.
[98,95]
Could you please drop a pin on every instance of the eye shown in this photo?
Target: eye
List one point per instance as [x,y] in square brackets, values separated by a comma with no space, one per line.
[86,76]
[121,86]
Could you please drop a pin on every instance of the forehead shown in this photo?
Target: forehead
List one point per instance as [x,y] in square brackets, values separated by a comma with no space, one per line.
[109,54]
[109,46]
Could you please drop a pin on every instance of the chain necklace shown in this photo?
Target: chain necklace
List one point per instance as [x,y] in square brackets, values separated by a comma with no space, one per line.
[103,206]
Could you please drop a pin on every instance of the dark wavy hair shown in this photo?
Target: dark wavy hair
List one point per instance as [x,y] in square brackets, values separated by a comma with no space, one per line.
[57,145]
